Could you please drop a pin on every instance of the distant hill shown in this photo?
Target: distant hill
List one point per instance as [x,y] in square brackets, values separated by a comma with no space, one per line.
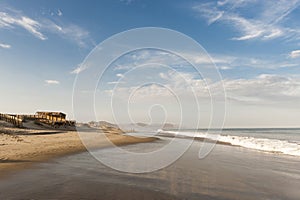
[144,127]
[169,126]
[100,125]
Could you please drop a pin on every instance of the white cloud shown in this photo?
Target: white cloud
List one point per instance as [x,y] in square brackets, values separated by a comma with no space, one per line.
[122,67]
[225,67]
[267,24]
[225,62]
[295,54]
[265,88]
[5,46]
[81,67]
[127,2]
[115,82]
[32,26]
[52,82]
[120,75]
[68,31]
[212,14]
[222,62]
[209,59]
[166,59]
[10,20]
[169,84]
[266,63]
[245,95]
[59,12]
[266,91]
[252,28]
[277,12]
[235,3]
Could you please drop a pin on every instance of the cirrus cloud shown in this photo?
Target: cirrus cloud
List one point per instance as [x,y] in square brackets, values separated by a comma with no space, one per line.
[270,23]
[11,19]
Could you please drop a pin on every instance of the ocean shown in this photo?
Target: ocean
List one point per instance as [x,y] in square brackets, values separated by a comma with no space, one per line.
[278,141]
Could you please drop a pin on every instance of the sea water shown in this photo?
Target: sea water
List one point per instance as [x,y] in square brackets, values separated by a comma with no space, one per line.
[279,141]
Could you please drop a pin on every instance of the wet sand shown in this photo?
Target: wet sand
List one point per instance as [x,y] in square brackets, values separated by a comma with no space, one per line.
[227,173]
[20,148]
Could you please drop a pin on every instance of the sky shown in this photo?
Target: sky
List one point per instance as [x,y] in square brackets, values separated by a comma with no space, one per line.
[255,46]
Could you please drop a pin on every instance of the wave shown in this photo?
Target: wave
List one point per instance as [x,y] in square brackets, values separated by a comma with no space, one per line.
[262,144]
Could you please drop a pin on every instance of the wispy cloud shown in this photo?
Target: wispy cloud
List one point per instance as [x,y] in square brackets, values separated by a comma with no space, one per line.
[263,88]
[168,59]
[5,46]
[221,61]
[267,24]
[115,82]
[81,67]
[273,62]
[52,82]
[40,27]
[68,31]
[10,20]
[127,2]
[295,54]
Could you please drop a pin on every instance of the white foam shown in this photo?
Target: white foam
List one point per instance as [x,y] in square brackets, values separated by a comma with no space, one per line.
[263,144]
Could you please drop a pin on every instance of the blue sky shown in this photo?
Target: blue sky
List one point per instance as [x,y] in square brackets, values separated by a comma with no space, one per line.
[255,45]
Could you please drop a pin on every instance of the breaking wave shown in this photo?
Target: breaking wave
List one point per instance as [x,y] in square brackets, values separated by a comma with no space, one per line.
[263,144]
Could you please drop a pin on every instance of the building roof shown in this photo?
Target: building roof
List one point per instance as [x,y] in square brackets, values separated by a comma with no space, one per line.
[51,113]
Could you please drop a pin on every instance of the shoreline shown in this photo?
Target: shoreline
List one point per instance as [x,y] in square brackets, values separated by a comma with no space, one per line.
[226,173]
[21,151]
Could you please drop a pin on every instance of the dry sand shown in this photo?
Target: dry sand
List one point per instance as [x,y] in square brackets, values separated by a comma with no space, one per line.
[21,148]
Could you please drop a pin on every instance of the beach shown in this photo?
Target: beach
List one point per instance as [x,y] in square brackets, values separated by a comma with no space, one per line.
[54,164]
[20,148]
[228,172]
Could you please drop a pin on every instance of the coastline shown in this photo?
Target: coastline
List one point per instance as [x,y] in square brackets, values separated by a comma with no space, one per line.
[226,173]
[21,150]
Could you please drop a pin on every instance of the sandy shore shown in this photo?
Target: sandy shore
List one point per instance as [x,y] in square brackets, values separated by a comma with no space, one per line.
[20,148]
[226,173]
